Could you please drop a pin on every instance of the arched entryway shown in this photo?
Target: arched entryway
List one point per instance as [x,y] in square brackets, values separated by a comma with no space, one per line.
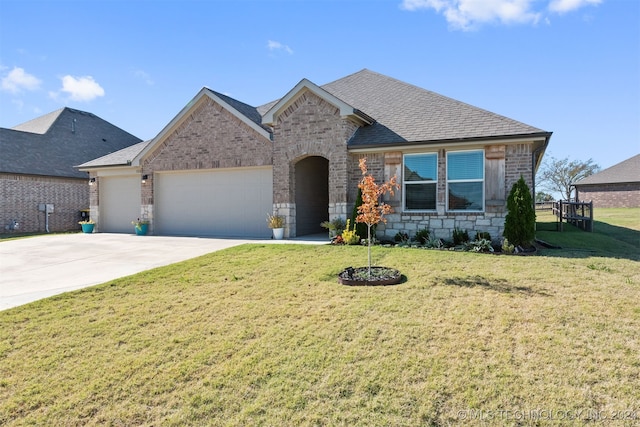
[312,194]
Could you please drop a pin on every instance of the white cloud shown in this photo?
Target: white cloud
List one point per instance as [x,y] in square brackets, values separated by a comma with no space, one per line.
[81,88]
[563,6]
[17,80]
[277,46]
[143,75]
[471,14]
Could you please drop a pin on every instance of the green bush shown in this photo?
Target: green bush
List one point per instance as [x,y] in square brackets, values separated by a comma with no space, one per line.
[520,222]
[422,236]
[483,235]
[460,236]
[479,245]
[401,237]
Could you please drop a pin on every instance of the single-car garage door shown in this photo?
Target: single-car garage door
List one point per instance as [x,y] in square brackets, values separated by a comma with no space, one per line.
[221,202]
[119,203]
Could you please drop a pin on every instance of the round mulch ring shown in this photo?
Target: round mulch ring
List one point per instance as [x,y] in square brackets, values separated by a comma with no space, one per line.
[359,276]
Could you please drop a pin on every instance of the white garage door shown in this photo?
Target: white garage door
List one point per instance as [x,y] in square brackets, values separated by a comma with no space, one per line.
[119,203]
[225,202]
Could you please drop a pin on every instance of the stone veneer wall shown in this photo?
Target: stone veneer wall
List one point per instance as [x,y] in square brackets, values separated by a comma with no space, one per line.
[310,127]
[611,195]
[517,162]
[21,195]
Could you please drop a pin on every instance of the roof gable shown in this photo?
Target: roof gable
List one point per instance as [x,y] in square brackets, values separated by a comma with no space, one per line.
[623,172]
[244,112]
[346,110]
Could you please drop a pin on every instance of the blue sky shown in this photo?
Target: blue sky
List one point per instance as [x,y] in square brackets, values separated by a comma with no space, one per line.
[567,66]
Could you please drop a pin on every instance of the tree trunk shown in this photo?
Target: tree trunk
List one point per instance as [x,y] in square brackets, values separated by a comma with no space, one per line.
[369,246]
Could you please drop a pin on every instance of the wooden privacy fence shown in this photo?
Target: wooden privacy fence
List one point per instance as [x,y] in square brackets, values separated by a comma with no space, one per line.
[579,214]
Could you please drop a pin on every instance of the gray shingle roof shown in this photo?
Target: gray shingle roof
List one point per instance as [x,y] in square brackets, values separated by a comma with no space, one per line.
[53,144]
[623,172]
[120,157]
[403,113]
[39,125]
[247,110]
[407,113]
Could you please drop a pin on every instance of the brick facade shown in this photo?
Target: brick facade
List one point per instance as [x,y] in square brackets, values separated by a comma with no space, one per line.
[310,126]
[210,137]
[511,162]
[21,195]
[624,195]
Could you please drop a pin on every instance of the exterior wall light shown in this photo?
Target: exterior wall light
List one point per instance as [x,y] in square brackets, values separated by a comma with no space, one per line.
[145,178]
[92,181]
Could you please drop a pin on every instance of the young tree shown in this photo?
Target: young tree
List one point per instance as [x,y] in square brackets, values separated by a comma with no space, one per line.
[520,222]
[372,209]
[559,175]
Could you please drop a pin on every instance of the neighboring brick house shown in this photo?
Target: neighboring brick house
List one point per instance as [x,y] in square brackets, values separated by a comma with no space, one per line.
[221,165]
[614,187]
[37,168]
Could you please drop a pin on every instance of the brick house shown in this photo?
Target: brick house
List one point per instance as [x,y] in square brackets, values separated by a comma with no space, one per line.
[614,187]
[37,168]
[221,165]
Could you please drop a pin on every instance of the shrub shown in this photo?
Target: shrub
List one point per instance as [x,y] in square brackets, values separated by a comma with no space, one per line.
[480,245]
[434,242]
[401,237]
[350,237]
[422,236]
[507,247]
[335,226]
[520,222]
[483,235]
[460,236]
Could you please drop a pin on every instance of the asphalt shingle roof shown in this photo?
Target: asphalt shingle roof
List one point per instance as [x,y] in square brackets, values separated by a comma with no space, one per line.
[403,113]
[407,113]
[245,109]
[39,125]
[623,172]
[53,144]
[120,157]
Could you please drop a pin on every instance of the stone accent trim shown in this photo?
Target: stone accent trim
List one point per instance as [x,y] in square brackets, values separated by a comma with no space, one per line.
[289,212]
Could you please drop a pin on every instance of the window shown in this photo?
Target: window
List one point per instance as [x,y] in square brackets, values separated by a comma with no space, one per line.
[420,181]
[465,180]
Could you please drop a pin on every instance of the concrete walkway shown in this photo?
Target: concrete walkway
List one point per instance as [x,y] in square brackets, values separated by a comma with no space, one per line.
[39,267]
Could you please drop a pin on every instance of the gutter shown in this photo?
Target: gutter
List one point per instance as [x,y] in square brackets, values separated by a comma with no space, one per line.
[442,142]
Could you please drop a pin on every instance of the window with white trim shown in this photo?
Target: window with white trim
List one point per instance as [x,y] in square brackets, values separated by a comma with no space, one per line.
[465,180]
[420,182]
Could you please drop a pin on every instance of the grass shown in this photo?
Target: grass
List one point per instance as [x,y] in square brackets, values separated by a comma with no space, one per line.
[616,233]
[264,335]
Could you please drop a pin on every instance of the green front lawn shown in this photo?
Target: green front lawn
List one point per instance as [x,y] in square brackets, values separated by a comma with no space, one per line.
[264,335]
[616,233]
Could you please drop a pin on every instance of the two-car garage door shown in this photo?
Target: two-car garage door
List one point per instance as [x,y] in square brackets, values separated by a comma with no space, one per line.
[221,202]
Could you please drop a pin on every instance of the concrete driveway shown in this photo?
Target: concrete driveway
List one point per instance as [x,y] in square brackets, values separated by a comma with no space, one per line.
[39,267]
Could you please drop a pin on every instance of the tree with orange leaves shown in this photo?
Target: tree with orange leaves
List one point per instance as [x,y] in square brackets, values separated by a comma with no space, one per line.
[372,210]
